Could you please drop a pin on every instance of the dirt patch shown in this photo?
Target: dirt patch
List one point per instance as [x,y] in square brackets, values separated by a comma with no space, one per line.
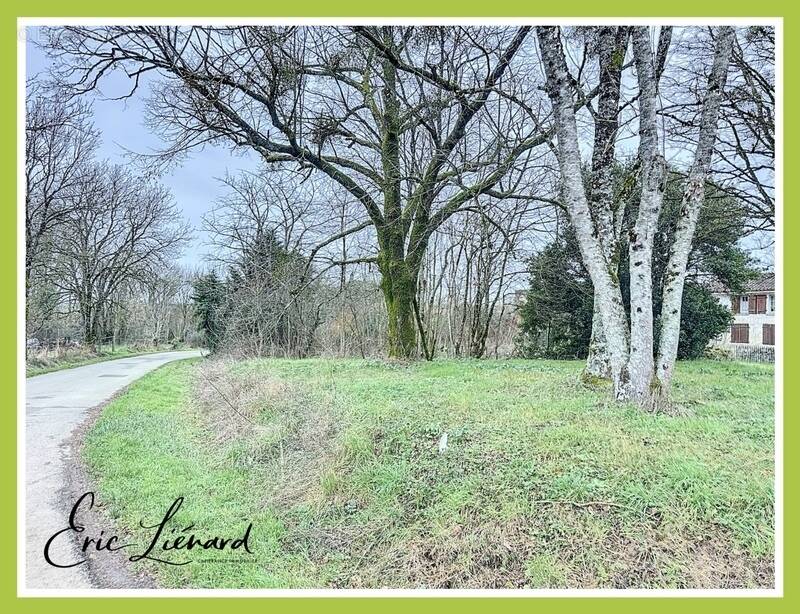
[106,569]
[720,566]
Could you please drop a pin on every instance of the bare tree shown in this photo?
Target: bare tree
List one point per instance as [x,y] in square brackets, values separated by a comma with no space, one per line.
[746,144]
[59,145]
[690,209]
[258,231]
[468,276]
[630,347]
[413,123]
[161,292]
[184,323]
[607,211]
[120,229]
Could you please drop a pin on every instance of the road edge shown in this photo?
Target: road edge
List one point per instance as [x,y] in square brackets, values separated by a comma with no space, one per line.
[112,570]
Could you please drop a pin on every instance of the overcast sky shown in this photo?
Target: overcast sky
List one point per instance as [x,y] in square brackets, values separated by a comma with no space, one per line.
[194,183]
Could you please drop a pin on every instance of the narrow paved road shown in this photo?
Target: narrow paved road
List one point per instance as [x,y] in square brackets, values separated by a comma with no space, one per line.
[55,404]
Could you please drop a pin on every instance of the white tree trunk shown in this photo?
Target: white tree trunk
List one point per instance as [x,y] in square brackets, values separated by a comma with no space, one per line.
[690,209]
[612,43]
[597,362]
[640,248]
[630,351]
[606,284]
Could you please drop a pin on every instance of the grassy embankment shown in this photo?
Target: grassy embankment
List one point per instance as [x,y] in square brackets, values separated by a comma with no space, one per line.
[43,362]
[543,483]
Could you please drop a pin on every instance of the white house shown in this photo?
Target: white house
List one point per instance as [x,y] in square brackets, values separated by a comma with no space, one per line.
[753,312]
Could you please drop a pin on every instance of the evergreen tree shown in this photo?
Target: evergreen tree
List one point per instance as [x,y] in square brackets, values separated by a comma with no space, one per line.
[556,319]
[208,298]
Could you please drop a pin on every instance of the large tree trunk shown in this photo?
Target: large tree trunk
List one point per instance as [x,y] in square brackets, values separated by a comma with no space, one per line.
[606,283]
[612,42]
[398,272]
[89,320]
[399,286]
[640,247]
[690,209]
[598,364]
[640,252]
[608,213]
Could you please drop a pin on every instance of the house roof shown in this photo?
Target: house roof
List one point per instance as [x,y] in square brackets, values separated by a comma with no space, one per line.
[763,283]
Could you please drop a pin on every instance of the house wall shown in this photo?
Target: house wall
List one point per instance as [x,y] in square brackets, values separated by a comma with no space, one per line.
[753,320]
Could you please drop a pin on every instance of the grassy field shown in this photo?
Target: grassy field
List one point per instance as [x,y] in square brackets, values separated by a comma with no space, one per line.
[543,482]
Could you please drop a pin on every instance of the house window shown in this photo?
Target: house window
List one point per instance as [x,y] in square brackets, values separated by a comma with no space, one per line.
[758,303]
[768,334]
[771,302]
[744,305]
[740,333]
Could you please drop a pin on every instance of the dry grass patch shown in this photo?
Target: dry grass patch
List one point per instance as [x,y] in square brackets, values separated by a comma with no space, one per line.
[270,426]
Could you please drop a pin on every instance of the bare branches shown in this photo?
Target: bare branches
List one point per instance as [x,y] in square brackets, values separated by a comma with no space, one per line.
[59,141]
[377,140]
[120,230]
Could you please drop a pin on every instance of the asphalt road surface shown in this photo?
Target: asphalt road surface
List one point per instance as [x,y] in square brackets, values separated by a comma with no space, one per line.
[55,404]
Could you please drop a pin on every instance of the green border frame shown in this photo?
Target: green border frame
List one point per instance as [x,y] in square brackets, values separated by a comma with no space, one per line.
[790,11]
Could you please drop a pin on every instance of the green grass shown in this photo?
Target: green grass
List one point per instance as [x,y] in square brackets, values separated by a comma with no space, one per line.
[544,482]
[40,365]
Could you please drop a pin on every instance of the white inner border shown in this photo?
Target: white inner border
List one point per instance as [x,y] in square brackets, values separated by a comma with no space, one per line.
[23,591]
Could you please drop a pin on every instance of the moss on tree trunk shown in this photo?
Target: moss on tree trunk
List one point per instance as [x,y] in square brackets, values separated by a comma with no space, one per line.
[399,283]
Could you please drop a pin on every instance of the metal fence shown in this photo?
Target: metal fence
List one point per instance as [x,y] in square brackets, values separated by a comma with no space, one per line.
[752,353]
